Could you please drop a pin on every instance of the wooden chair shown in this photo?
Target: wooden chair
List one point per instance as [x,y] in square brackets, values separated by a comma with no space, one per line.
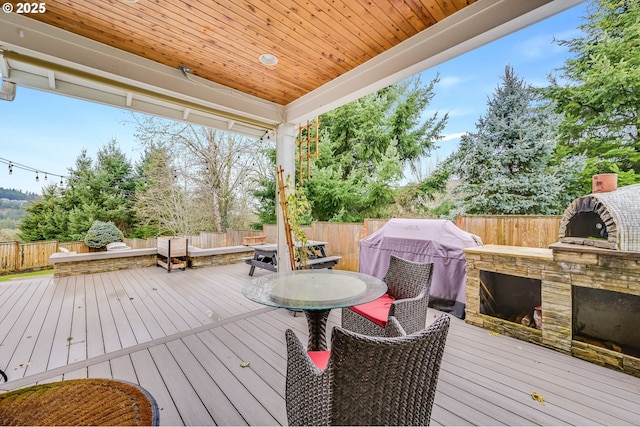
[368,380]
[407,299]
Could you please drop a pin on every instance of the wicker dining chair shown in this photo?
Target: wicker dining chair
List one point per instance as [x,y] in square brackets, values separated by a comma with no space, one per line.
[407,299]
[368,380]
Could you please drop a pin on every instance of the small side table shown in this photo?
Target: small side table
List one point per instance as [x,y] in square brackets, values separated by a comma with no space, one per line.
[90,401]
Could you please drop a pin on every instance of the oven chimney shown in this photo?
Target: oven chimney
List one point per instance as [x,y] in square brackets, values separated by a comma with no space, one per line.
[604,182]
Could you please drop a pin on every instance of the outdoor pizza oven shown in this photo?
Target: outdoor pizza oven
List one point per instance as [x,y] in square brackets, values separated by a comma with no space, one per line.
[583,289]
[608,220]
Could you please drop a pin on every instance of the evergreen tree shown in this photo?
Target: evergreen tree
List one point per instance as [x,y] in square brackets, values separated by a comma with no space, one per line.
[45,219]
[104,192]
[507,165]
[365,147]
[598,92]
[265,192]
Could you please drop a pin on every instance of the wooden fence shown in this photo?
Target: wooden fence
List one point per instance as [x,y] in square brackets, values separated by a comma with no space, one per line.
[513,230]
[343,239]
[18,257]
[15,256]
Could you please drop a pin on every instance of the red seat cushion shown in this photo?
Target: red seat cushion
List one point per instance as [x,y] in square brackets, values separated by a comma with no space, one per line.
[320,358]
[377,310]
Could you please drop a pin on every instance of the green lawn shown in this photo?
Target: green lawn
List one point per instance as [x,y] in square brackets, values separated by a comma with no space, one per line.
[32,273]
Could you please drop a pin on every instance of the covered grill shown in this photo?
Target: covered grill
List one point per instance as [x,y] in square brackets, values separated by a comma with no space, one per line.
[609,220]
[424,240]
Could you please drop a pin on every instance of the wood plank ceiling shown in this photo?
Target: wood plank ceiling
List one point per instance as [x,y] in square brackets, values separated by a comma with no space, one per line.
[315,41]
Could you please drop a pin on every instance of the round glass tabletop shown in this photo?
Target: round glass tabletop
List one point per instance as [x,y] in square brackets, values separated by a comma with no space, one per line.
[314,289]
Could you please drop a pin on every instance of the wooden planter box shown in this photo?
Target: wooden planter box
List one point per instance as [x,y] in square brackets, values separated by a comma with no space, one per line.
[254,240]
[172,252]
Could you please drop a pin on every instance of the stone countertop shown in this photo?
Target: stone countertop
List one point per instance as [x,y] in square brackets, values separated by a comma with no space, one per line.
[519,251]
[88,256]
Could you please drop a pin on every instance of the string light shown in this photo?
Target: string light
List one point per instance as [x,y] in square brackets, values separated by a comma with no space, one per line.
[11,165]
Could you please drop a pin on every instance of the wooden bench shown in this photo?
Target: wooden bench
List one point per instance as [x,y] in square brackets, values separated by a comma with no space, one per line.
[312,264]
[266,264]
[266,257]
[318,263]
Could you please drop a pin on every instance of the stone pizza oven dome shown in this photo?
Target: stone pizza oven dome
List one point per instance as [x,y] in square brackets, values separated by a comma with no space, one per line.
[608,220]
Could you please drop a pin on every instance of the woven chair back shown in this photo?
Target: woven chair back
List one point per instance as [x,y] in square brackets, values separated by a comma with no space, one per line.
[406,279]
[385,381]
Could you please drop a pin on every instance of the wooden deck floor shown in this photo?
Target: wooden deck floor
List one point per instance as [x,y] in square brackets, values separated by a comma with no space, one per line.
[184,335]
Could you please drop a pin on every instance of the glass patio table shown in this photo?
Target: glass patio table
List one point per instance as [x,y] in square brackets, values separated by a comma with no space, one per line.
[315,292]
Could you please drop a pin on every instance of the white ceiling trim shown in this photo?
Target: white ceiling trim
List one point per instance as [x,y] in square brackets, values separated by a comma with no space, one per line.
[36,41]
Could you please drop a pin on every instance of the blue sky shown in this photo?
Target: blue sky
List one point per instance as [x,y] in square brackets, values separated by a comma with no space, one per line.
[47,131]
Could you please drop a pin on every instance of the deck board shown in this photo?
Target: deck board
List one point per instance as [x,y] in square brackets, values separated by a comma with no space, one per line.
[39,360]
[62,339]
[206,379]
[591,384]
[78,346]
[253,387]
[108,325]
[21,336]
[162,321]
[151,327]
[154,383]
[190,407]
[94,339]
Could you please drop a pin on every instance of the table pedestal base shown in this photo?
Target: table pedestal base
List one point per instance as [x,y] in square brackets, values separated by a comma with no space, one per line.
[317,322]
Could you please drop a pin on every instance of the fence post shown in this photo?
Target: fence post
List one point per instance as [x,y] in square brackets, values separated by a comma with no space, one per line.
[16,260]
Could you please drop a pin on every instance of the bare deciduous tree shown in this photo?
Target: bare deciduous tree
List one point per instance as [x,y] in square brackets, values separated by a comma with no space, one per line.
[215,171]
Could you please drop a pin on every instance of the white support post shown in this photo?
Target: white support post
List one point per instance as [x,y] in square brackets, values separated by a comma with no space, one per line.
[285,157]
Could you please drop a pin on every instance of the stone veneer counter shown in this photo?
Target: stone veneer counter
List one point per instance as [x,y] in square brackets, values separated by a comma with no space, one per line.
[559,268]
[73,264]
[519,251]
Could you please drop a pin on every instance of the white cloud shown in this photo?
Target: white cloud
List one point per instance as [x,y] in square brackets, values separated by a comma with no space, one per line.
[461,112]
[453,136]
[543,45]
[450,81]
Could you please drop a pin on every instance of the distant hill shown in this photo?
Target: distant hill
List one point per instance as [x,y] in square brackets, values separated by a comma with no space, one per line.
[11,210]
[11,194]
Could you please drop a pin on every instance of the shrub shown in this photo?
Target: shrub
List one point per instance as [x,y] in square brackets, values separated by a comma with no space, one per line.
[101,234]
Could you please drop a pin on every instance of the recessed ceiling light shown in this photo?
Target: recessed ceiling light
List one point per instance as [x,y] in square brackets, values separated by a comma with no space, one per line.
[130,1]
[268,59]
